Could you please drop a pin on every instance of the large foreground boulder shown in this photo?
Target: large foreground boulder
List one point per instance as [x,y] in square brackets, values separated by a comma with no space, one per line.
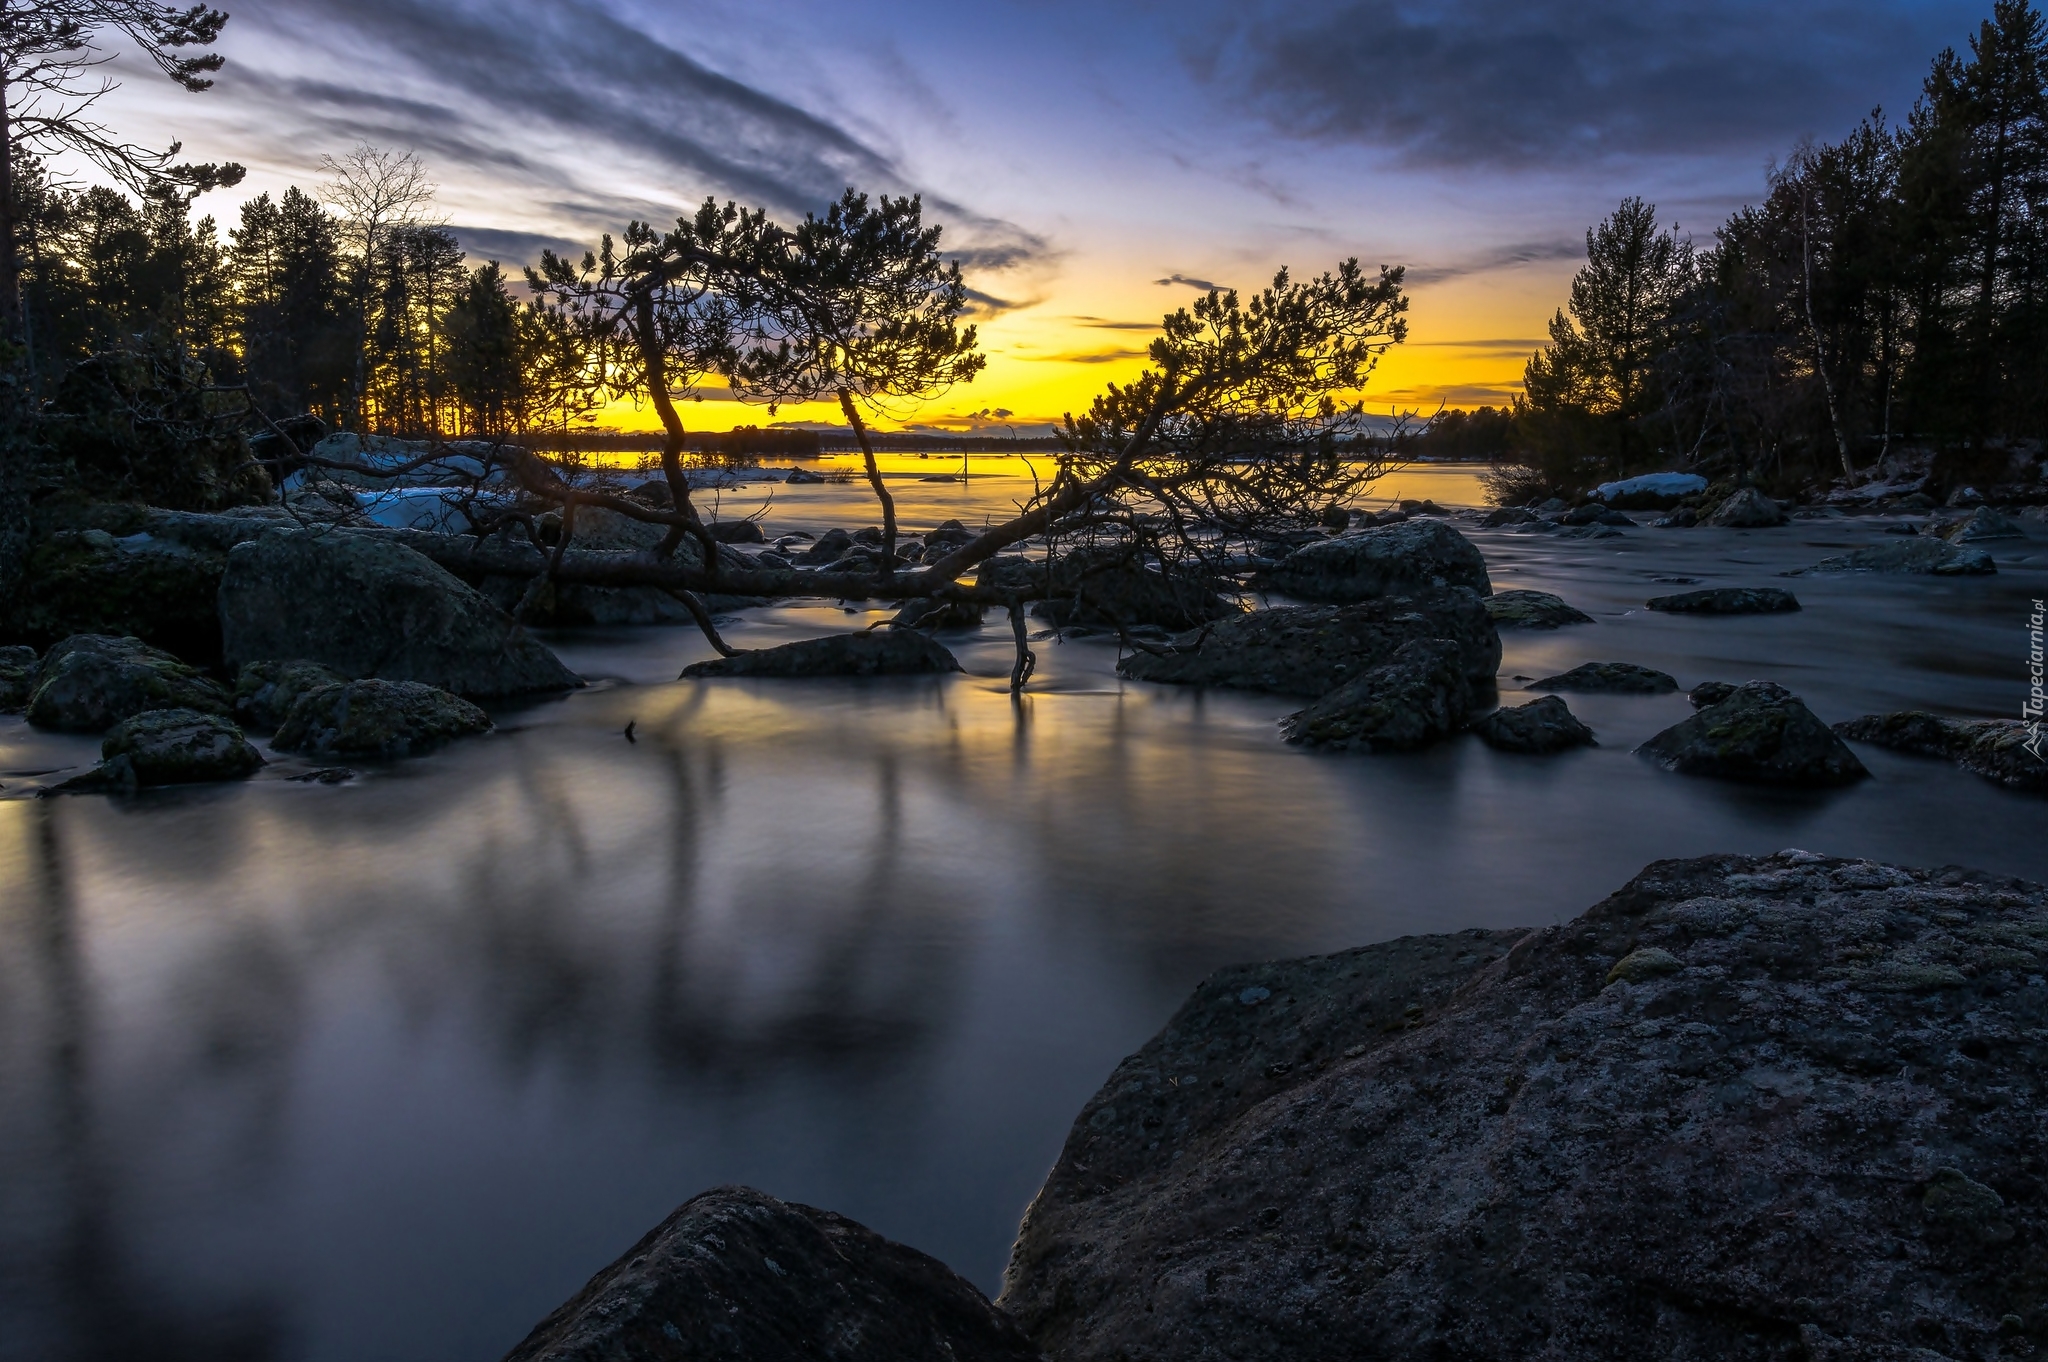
[1914,555]
[370,607]
[1415,697]
[1993,748]
[89,683]
[877,652]
[1538,728]
[1523,609]
[1313,649]
[1758,732]
[374,718]
[1406,559]
[735,1275]
[1744,1109]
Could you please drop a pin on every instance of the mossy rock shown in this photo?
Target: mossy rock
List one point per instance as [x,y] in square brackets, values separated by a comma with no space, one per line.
[180,747]
[375,718]
[93,581]
[90,682]
[266,691]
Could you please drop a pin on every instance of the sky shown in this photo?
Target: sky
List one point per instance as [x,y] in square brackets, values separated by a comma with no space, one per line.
[1095,164]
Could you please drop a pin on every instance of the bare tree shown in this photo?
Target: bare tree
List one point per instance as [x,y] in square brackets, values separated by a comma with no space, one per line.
[50,55]
[376,193]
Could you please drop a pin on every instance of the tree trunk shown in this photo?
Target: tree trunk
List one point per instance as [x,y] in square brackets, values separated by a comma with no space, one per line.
[647,335]
[10,230]
[867,450]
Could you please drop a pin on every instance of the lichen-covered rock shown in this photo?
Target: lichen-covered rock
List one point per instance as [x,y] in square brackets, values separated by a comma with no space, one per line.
[1522,609]
[1726,600]
[1759,732]
[1415,697]
[376,718]
[1311,650]
[1610,678]
[17,676]
[1916,554]
[1744,1109]
[177,747]
[266,691]
[877,652]
[370,607]
[1540,727]
[1412,557]
[89,683]
[1993,748]
[1747,509]
[735,1275]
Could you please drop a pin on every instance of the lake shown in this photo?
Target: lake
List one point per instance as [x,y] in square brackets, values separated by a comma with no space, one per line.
[386,1070]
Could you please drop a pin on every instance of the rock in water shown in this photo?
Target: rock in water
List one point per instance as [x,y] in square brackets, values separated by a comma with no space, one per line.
[736,1276]
[17,676]
[1312,650]
[878,652]
[1747,509]
[1532,610]
[1920,554]
[927,613]
[89,683]
[1541,727]
[374,718]
[1760,732]
[1610,678]
[1982,523]
[1993,748]
[368,607]
[177,747]
[1727,600]
[1415,697]
[1393,560]
[1802,1123]
[1111,589]
[1709,693]
[265,691]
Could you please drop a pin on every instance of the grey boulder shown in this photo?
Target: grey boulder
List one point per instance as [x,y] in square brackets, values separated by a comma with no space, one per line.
[1415,697]
[1311,650]
[1993,748]
[1611,678]
[1539,727]
[1916,555]
[176,747]
[735,1275]
[1522,609]
[376,718]
[1726,600]
[877,652]
[1982,523]
[1391,560]
[1747,509]
[90,682]
[265,691]
[1761,733]
[368,607]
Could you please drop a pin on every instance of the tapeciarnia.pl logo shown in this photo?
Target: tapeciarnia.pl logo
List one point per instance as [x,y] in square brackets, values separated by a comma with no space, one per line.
[2031,711]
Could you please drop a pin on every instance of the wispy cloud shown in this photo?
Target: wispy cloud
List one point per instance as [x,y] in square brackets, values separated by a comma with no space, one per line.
[1187,281]
[1499,258]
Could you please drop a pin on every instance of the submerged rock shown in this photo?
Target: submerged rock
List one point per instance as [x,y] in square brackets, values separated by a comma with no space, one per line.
[265,691]
[1611,678]
[1522,609]
[1919,554]
[376,718]
[17,676]
[1415,697]
[1541,727]
[373,608]
[1993,748]
[735,1275]
[1726,600]
[89,683]
[1743,1109]
[1507,515]
[1747,509]
[1759,732]
[176,747]
[1392,560]
[877,652]
[1311,650]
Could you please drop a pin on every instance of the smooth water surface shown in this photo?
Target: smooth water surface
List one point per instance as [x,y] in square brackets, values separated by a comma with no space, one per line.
[385,1070]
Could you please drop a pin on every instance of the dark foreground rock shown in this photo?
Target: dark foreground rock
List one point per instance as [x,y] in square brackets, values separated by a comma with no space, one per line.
[1311,650]
[1392,560]
[89,683]
[1610,678]
[1521,609]
[1747,509]
[373,608]
[171,747]
[266,691]
[1539,727]
[738,1276]
[1758,732]
[374,718]
[1111,590]
[1743,1109]
[877,652]
[135,584]
[1415,697]
[1982,523]
[1726,600]
[1916,555]
[1993,748]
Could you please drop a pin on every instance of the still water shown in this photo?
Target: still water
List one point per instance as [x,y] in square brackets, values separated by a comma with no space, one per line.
[386,1070]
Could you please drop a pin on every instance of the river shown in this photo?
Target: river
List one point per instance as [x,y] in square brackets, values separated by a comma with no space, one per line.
[385,1070]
